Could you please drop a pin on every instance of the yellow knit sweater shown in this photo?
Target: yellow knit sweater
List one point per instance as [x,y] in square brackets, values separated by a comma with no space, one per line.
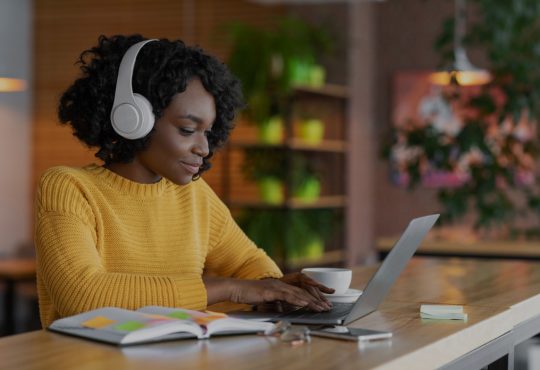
[103,240]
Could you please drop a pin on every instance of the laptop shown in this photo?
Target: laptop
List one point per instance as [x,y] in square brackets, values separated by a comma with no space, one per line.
[374,292]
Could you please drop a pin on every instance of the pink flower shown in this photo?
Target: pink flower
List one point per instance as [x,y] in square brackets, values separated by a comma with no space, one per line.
[401,179]
[473,157]
[444,179]
[524,178]
[523,131]
[404,155]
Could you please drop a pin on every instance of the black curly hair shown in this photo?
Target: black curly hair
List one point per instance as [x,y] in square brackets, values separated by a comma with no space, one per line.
[162,70]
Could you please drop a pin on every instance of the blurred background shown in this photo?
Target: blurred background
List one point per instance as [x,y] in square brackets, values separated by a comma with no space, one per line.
[361,116]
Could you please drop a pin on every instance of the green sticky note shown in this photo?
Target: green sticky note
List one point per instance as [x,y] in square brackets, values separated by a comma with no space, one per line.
[179,315]
[129,326]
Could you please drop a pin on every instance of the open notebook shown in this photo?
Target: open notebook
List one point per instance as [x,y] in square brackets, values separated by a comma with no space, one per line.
[152,324]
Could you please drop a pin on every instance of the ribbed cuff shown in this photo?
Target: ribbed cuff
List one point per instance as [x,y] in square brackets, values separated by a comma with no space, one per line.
[270,275]
[190,293]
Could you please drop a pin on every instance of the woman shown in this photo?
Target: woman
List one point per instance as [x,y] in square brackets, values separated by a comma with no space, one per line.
[144,228]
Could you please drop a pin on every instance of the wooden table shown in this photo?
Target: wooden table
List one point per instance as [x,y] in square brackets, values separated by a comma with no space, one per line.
[499,297]
[13,271]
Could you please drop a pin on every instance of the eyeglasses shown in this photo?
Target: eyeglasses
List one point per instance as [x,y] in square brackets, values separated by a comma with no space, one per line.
[295,335]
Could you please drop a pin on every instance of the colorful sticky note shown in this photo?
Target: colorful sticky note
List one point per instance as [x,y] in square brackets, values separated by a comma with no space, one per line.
[129,326]
[212,316]
[156,317]
[179,315]
[98,322]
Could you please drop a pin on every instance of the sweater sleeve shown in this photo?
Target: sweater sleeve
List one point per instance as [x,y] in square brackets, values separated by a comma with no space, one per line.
[70,268]
[232,253]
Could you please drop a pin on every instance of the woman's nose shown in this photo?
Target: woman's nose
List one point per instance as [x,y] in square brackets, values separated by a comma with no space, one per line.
[201,147]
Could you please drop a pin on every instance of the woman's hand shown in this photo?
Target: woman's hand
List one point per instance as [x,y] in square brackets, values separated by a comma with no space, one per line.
[257,292]
[306,283]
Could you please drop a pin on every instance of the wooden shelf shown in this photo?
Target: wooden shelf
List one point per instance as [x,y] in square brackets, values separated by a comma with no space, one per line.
[328,157]
[495,249]
[333,146]
[332,90]
[333,201]
[324,146]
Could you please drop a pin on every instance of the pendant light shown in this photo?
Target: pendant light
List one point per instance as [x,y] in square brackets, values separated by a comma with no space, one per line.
[462,71]
[8,83]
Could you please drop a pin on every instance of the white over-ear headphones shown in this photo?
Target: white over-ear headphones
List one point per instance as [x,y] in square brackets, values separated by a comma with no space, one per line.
[131,116]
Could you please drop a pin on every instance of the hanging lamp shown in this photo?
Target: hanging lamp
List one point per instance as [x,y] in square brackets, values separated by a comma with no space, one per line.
[462,71]
[8,83]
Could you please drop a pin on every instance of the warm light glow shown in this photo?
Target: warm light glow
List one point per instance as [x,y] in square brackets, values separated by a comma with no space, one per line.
[462,78]
[462,72]
[11,84]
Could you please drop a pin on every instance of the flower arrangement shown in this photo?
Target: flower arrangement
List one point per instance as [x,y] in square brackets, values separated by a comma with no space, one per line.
[438,149]
[478,146]
[462,142]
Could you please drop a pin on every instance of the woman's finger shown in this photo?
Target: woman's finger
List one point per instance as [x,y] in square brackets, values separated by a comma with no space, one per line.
[306,280]
[314,302]
[319,296]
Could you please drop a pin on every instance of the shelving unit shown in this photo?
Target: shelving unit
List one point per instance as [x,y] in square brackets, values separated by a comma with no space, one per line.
[331,201]
[329,156]
[337,146]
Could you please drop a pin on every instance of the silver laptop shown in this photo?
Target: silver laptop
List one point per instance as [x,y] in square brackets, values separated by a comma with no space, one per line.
[374,292]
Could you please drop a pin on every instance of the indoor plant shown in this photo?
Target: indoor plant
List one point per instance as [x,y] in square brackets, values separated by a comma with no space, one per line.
[307,230]
[270,167]
[270,63]
[487,159]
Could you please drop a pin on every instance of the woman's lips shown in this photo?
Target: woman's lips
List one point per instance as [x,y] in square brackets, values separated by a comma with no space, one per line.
[190,167]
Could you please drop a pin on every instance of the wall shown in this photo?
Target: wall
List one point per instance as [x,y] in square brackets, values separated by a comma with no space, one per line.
[15,125]
[406,30]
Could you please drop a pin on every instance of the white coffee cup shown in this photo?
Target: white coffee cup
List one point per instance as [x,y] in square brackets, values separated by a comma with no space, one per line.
[338,279]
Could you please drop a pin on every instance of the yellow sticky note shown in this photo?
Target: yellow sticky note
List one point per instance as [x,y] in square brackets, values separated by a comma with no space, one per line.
[98,322]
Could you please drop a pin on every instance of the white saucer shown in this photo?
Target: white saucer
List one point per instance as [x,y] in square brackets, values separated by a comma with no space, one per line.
[349,296]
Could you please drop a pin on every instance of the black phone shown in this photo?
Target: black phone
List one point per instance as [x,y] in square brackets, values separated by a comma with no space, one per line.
[355,334]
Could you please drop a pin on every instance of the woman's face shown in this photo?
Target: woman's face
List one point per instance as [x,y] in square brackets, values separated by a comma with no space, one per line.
[179,142]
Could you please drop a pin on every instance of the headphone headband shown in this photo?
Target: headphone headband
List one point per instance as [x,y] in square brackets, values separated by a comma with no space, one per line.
[124,89]
[132,115]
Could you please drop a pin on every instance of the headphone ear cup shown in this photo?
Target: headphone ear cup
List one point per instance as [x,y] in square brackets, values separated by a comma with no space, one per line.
[147,116]
[133,121]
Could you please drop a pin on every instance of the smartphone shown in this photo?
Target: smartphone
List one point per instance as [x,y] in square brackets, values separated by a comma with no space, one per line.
[355,334]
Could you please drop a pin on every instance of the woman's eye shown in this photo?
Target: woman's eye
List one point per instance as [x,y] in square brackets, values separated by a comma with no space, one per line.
[186,131]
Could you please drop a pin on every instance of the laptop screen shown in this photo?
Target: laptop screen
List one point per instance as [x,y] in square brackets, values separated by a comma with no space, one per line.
[380,283]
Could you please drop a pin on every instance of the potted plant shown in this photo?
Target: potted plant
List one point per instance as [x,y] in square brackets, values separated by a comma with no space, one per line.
[311,130]
[271,130]
[306,185]
[270,63]
[269,168]
[307,231]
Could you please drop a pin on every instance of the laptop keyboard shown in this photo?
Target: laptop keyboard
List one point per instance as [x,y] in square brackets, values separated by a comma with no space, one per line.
[338,310]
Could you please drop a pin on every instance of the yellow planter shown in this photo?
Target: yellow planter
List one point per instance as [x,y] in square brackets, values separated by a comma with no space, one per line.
[309,191]
[271,190]
[271,131]
[312,131]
